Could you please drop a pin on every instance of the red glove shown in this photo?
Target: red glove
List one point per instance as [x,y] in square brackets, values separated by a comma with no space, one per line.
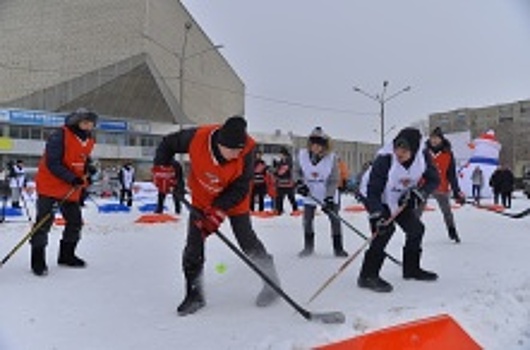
[163,177]
[212,219]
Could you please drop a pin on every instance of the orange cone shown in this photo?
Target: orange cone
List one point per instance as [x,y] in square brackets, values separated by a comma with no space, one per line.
[434,333]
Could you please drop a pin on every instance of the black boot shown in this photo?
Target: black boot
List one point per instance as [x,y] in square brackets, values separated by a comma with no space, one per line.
[309,245]
[267,295]
[337,246]
[369,276]
[38,261]
[194,299]
[412,269]
[453,234]
[15,205]
[67,255]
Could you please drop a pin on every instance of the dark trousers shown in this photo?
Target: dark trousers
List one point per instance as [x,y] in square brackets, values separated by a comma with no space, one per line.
[162,198]
[410,223]
[496,195]
[258,191]
[475,190]
[71,212]
[126,195]
[309,216]
[248,241]
[506,198]
[283,192]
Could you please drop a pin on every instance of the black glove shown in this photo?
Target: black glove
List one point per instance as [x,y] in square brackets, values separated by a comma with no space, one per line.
[77,181]
[301,188]
[460,198]
[412,198]
[328,206]
[92,170]
[378,223]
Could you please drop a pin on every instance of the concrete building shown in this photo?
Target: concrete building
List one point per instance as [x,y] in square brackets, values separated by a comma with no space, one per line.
[510,121]
[144,65]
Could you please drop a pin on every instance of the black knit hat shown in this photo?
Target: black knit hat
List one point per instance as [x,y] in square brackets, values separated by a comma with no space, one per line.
[408,138]
[437,132]
[233,133]
[81,114]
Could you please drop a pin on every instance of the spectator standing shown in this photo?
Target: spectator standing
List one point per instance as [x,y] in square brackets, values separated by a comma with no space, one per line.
[126,179]
[285,186]
[506,187]
[17,182]
[477,181]
[176,191]
[259,185]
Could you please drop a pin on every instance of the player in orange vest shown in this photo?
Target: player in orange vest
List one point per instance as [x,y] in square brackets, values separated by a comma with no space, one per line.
[220,176]
[443,158]
[63,167]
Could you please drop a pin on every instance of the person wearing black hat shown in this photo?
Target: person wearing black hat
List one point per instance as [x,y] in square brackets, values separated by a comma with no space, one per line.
[401,176]
[220,174]
[61,177]
[443,158]
[318,181]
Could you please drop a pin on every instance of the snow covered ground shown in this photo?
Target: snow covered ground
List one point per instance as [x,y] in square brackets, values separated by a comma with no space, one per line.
[126,298]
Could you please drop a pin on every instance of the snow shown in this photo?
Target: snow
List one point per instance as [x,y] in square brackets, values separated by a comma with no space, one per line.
[127,296]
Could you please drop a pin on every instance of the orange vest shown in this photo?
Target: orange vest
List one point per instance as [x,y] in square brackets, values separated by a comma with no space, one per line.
[207,178]
[441,161]
[343,173]
[75,156]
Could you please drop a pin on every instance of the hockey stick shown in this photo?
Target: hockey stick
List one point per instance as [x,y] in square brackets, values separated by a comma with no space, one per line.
[35,228]
[518,215]
[324,317]
[354,256]
[351,227]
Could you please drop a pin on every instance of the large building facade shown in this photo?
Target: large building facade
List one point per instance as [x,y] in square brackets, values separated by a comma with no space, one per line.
[145,65]
[510,121]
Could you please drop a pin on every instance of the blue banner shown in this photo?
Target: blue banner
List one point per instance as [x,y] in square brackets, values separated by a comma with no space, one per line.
[112,125]
[37,118]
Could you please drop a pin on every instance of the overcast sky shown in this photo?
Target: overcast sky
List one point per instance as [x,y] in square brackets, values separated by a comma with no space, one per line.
[299,59]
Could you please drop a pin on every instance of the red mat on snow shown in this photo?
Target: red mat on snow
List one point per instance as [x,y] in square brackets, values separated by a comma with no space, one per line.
[434,333]
[156,219]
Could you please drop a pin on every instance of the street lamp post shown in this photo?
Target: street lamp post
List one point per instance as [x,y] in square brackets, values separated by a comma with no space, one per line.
[382,99]
[182,57]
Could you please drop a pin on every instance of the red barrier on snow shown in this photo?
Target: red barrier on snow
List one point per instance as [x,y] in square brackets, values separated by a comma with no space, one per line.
[156,219]
[263,214]
[60,221]
[434,333]
[493,207]
[355,208]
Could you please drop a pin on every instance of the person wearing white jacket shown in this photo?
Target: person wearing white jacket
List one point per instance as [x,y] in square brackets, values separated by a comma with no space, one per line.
[318,181]
[126,178]
[17,181]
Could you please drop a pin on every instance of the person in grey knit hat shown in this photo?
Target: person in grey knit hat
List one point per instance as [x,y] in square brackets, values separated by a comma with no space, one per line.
[318,180]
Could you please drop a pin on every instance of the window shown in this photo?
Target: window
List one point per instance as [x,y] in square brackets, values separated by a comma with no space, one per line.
[35,133]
